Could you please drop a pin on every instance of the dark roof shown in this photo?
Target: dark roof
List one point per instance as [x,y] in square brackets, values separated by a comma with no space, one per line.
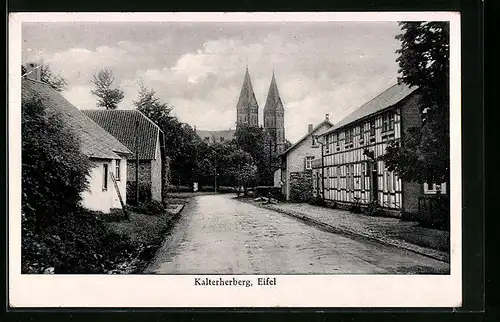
[386,99]
[95,141]
[327,122]
[122,125]
[247,95]
[214,136]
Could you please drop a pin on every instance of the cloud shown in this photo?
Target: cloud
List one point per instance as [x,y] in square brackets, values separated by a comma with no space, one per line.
[320,68]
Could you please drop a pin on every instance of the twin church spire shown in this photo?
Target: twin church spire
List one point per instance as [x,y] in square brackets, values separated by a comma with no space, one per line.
[247,112]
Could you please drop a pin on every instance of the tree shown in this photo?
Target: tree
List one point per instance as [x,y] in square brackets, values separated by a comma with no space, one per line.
[242,168]
[423,153]
[57,82]
[253,140]
[54,171]
[149,104]
[181,140]
[108,97]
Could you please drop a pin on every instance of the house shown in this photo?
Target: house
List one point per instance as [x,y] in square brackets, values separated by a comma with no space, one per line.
[296,163]
[153,165]
[351,171]
[108,156]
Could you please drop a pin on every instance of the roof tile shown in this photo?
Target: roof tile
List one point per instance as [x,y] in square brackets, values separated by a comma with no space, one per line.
[122,125]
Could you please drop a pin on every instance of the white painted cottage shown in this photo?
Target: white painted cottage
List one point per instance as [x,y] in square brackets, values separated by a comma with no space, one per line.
[106,153]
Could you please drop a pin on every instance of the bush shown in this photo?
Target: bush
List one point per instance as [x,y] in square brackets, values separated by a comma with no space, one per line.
[79,243]
[144,192]
[54,171]
[152,207]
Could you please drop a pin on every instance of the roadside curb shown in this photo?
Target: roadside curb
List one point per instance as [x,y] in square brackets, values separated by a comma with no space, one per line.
[435,254]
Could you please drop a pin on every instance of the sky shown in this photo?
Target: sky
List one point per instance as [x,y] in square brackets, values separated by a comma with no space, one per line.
[198,68]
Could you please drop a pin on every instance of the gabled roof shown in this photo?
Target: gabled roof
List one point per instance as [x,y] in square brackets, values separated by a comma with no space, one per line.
[95,141]
[247,95]
[273,100]
[324,122]
[214,136]
[122,125]
[386,99]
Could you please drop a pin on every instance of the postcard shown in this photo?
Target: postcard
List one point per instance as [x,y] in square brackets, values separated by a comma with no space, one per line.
[235,160]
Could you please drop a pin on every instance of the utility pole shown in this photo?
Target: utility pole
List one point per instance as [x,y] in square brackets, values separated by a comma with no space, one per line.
[137,162]
[215,172]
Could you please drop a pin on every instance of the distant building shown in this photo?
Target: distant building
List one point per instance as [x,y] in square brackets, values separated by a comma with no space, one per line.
[353,171]
[153,168]
[107,154]
[247,108]
[212,137]
[296,163]
[247,113]
[274,119]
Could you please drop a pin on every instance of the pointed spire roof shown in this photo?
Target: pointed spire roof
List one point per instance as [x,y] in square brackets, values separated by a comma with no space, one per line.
[247,95]
[273,96]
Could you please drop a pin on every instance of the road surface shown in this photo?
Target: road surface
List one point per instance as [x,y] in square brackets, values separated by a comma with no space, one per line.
[218,234]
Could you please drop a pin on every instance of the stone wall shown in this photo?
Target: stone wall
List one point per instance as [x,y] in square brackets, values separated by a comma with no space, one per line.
[301,186]
[144,170]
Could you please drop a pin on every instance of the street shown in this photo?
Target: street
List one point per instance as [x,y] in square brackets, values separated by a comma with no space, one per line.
[218,234]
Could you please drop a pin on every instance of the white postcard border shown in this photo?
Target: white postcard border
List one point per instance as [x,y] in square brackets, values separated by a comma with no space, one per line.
[179,290]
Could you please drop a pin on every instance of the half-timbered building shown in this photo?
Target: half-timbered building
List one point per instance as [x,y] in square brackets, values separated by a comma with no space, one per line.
[352,172]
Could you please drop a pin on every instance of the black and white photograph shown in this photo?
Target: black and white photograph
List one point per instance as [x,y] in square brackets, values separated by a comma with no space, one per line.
[234,153]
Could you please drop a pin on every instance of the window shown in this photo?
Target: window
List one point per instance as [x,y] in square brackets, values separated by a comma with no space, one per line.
[105,177]
[222,139]
[314,140]
[309,162]
[390,181]
[391,122]
[388,122]
[434,188]
[372,127]
[348,136]
[117,170]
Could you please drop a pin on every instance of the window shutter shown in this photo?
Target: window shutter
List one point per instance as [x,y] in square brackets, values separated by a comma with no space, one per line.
[305,163]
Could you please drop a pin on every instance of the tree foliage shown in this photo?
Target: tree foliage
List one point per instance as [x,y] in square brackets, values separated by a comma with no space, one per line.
[108,96]
[254,141]
[423,153]
[56,81]
[149,104]
[54,171]
[180,139]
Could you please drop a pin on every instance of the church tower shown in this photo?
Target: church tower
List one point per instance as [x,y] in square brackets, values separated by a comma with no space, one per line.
[247,109]
[274,118]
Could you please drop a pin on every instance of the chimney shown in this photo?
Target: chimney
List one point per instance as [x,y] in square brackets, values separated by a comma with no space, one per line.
[309,128]
[33,71]
[327,116]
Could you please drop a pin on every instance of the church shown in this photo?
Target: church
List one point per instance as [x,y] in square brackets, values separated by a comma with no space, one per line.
[247,113]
